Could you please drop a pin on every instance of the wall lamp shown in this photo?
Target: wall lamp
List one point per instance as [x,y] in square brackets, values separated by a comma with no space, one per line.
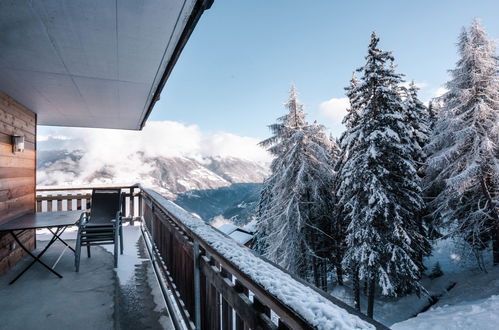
[17,144]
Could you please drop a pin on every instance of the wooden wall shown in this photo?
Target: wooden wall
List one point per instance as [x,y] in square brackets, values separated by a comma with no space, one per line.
[17,176]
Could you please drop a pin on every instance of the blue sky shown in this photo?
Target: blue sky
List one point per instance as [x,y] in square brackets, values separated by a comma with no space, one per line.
[234,74]
[233,77]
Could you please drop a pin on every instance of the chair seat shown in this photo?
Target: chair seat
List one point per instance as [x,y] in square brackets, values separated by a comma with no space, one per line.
[98,225]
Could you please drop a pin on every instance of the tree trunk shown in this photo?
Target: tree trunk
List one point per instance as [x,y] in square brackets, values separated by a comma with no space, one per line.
[495,243]
[339,274]
[324,275]
[317,281]
[356,290]
[495,216]
[370,298]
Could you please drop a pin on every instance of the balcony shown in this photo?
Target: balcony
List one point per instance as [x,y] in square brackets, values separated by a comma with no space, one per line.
[202,278]
[104,64]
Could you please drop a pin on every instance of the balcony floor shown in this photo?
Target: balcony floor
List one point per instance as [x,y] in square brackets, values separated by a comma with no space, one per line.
[98,297]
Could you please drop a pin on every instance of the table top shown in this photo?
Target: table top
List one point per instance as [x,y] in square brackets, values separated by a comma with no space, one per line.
[42,220]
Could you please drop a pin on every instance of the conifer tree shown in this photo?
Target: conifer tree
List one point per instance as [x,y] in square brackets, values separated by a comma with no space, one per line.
[379,190]
[419,120]
[463,166]
[294,226]
[433,110]
[344,147]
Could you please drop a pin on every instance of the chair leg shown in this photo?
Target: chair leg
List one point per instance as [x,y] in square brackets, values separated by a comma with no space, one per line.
[121,240]
[78,251]
[115,254]
[116,233]
[88,251]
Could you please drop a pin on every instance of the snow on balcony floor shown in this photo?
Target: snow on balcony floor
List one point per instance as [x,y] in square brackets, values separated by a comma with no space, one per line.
[98,297]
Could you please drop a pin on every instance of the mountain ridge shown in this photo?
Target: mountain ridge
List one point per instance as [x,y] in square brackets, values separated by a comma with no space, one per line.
[210,186]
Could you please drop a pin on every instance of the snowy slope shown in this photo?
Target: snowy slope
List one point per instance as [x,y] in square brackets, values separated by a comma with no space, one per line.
[473,303]
[479,314]
[451,298]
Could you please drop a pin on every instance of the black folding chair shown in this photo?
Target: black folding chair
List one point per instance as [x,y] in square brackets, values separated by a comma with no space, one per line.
[102,225]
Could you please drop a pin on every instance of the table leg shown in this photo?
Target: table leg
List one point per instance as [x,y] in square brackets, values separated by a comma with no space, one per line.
[35,258]
[60,239]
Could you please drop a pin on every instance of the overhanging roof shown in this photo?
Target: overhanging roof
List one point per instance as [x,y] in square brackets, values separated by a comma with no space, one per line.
[92,63]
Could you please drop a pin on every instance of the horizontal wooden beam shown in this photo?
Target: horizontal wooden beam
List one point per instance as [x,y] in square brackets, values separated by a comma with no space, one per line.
[84,188]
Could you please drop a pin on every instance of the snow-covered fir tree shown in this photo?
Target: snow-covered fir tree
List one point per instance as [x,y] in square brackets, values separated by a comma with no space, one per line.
[350,120]
[433,110]
[294,224]
[379,191]
[463,166]
[352,115]
[282,130]
[420,121]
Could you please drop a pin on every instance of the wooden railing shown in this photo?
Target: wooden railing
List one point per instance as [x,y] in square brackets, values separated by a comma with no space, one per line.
[67,199]
[202,288]
[209,290]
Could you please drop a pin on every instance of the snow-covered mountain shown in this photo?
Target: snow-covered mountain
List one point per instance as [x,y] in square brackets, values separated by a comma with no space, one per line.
[208,186]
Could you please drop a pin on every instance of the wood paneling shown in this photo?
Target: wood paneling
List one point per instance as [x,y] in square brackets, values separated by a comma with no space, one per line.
[17,176]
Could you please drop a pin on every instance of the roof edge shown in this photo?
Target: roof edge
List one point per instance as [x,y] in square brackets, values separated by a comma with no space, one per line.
[198,10]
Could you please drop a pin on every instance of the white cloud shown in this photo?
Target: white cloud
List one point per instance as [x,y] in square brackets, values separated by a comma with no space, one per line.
[334,110]
[118,151]
[158,138]
[231,145]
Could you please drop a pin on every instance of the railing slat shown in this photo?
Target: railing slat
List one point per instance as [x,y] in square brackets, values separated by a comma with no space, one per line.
[49,204]
[239,287]
[226,309]
[38,205]
[70,202]
[59,203]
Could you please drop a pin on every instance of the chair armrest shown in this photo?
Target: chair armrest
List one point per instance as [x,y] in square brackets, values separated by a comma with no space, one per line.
[83,219]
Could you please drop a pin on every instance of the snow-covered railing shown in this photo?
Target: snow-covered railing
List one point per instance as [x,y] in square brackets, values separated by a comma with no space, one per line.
[219,284]
[55,199]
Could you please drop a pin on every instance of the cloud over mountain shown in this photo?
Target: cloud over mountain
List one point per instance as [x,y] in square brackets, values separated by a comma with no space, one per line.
[169,156]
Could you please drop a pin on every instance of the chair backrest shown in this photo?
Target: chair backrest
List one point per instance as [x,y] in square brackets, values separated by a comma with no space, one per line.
[105,204]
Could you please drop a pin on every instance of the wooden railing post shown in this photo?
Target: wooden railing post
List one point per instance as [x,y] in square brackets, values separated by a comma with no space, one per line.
[123,205]
[226,309]
[59,202]
[240,288]
[140,205]
[197,286]
[38,205]
[69,202]
[132,204]
[153,224]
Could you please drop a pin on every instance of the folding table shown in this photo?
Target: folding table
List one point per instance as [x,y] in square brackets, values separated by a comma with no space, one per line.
[55,222]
